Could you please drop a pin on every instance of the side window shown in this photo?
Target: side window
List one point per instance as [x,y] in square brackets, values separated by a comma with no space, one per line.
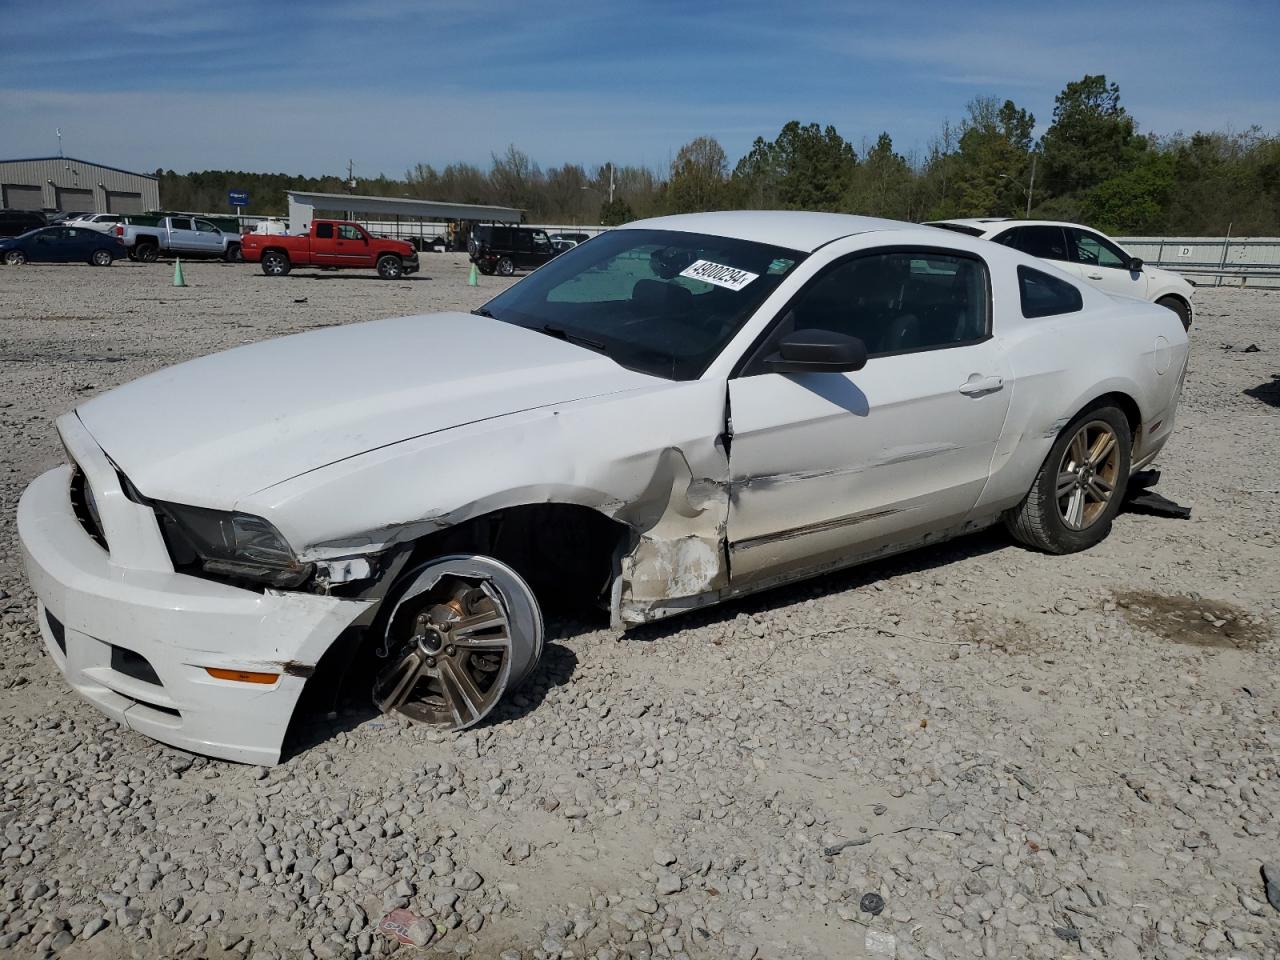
[348,232]
[541,242]
[1046,296]
[1089,248]
[324,231]
[180,223]
[204,226]
[898,302]
[1045,242]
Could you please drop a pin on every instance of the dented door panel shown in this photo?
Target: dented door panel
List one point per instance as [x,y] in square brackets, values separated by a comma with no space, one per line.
[825,463]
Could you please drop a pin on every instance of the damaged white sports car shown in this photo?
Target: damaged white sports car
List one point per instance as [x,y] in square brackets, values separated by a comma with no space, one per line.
[671,414]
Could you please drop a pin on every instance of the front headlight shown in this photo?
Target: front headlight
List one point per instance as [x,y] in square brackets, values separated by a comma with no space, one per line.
[236,545]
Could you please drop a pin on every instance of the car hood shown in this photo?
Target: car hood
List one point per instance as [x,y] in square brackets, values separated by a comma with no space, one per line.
[214,430]
[1167,278]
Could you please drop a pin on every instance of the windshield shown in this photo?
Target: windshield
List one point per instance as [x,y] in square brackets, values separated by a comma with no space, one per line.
[658,301]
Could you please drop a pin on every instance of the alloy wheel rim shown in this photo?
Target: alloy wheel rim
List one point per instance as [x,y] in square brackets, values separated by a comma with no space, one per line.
[14,257]
[102,258]
[1087,475]
[454,660]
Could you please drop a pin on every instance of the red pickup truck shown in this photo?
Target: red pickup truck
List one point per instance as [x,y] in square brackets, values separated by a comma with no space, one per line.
[335,244]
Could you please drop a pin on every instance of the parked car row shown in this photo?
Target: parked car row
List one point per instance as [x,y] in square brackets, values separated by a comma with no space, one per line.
[505,249]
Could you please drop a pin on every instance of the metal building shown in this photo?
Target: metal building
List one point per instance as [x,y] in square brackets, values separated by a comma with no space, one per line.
[69,185]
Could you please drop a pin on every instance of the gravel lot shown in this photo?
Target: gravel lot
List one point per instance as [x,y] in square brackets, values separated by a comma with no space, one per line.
[1020,755]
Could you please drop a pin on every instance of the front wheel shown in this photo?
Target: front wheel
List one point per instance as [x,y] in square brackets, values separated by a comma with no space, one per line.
[390,268]
[1179,307]
[1080,486]
[101,258]
[275,264]
[15,258]
[464,631]
[506,267]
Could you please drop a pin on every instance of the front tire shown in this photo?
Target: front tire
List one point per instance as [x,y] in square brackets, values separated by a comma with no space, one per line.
[1179,307]
[390,268]
[506,267]
[1080,486]
[15,258]
[101,258]
[464,631]
[275,264]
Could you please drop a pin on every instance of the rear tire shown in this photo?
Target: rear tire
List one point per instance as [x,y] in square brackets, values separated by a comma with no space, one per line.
[233,254]
[275,264]
[15,258]
[486,269]
[506,267]
[1080,486]
[390,268]
[1179,307]
[147,252]
[101,258]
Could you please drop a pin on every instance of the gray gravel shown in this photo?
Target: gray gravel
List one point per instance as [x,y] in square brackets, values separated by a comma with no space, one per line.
[1021,755]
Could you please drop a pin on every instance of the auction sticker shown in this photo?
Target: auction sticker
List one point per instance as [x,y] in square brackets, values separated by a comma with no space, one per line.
[731,278]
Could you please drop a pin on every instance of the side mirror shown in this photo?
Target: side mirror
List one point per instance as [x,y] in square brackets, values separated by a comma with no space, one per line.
[818,351]
[1135,264]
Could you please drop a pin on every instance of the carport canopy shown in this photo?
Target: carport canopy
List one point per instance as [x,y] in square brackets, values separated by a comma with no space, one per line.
[303,207]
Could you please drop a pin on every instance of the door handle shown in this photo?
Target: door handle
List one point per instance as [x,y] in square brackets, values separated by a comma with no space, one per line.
[1096,276]
[976,384]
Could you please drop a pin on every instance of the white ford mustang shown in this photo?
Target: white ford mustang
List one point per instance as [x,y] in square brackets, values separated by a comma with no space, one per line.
[674,413]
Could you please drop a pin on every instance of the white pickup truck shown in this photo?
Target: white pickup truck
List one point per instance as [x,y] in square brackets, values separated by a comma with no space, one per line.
[186,236]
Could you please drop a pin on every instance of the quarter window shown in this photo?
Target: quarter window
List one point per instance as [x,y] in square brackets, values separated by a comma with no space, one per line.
[324,231]
[1046,296]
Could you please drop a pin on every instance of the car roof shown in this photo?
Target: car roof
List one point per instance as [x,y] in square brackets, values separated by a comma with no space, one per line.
[990,223]
[793,229]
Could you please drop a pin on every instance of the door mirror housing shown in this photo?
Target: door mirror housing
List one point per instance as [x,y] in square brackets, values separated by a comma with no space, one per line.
[1135,264]
[818,351]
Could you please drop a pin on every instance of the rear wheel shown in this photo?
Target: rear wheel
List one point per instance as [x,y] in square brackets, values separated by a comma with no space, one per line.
[233,254]
[1080,486]
[506,267]
[148,252]
[15,258]
[464,631]
[1179,307]
[275,264]
[486,269]
[390,268]
[101,258]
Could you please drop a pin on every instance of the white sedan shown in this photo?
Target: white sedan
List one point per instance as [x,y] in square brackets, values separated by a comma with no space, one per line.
[1088,254]
[681,411]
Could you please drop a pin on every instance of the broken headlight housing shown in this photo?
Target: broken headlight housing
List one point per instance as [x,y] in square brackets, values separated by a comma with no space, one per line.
[234,545]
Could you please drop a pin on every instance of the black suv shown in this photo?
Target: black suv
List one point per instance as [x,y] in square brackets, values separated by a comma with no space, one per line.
[14,223]
[504,250]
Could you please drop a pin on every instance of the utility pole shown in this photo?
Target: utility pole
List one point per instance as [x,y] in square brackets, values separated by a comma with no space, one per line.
[60,157]
[1032,187]
[351,177]
[610,183]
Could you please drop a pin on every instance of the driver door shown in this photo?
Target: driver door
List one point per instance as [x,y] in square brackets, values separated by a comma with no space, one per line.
[828,466]
[1103,264]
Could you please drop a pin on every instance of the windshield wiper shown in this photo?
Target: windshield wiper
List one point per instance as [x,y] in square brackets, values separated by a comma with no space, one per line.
[483,312]
[560,333]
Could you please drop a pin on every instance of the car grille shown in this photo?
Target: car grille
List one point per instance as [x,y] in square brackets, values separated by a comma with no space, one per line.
[85,509]
[57,629]
[133,665]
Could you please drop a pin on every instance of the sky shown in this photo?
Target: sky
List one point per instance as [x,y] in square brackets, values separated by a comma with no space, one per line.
[303,88]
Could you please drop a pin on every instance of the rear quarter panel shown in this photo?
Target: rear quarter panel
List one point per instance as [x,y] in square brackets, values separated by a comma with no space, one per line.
[1062,364]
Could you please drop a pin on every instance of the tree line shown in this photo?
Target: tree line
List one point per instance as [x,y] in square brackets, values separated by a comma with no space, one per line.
[1092,164]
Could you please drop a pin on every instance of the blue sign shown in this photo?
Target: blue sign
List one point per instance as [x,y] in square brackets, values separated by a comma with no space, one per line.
[238,198]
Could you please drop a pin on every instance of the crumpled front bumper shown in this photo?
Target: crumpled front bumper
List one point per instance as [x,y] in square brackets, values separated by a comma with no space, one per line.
[135,638]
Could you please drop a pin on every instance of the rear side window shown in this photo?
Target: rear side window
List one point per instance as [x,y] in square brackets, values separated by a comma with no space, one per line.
[1047,243]
[324,231]
[180,223]
[1046,296]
